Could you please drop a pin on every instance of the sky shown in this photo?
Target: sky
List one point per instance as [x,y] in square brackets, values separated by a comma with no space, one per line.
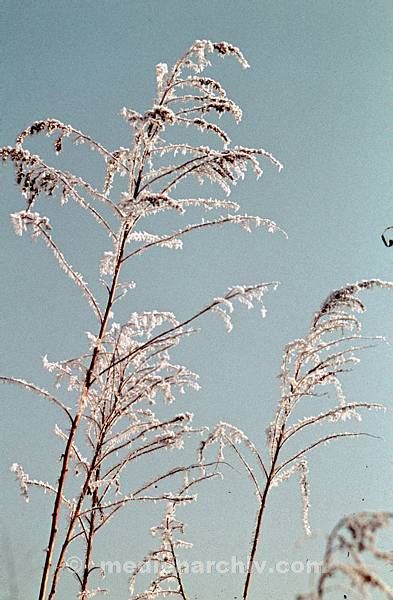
[319,96]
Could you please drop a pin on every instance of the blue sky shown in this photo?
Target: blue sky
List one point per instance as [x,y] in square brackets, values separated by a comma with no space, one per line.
[319,95]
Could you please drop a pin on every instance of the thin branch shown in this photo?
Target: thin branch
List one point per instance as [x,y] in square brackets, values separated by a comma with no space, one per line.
[41,392]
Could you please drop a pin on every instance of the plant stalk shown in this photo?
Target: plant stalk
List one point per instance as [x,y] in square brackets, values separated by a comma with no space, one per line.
[74,426]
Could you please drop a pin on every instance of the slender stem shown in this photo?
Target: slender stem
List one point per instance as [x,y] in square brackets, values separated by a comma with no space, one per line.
[75,422]
[77,513]
[74,518]
[56,509]
[260,514]
[92,530]
[256,538]
[178,574]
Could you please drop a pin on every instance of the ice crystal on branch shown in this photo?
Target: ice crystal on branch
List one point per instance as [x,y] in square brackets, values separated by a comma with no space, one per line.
[22,478]
[167,569]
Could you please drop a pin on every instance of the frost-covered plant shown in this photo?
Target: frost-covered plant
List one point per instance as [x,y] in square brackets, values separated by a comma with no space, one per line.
[127,369]
[167,569]
[122,388]
[309,366]
[352,558]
